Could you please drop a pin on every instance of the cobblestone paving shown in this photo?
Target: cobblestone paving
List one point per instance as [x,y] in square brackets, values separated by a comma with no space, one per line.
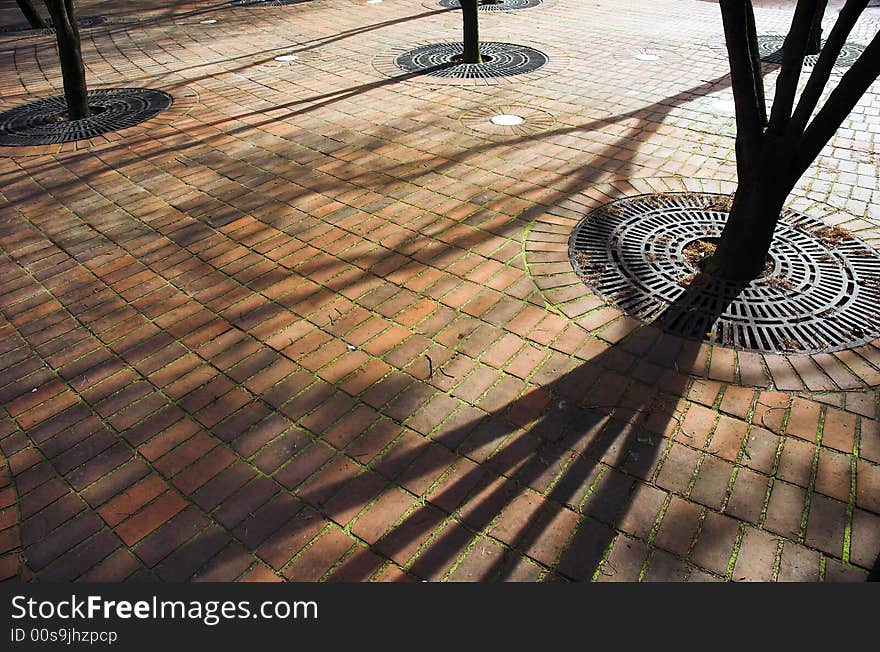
[317,320]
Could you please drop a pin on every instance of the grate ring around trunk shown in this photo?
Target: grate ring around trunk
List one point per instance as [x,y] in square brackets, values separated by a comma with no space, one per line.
[494,5]
[38,123]
[500,60]
[819,294]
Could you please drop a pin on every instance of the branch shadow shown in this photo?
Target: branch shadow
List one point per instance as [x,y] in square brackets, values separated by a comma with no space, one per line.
[595,423]
[521,460]
[596,432]
[295,48]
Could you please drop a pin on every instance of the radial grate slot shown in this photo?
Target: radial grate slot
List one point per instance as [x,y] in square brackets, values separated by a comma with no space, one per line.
[83,23]
[499,60]
[819,291]
[770,50]
[41,122]
[494,5]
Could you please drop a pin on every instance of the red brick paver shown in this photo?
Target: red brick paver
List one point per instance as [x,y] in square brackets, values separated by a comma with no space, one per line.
[313,323]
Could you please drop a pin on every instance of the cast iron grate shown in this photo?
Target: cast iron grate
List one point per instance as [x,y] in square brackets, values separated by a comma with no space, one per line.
[494,5]
[82,23]
[821,292]
[266,3]
[770,50]
[39,123]
[499,60]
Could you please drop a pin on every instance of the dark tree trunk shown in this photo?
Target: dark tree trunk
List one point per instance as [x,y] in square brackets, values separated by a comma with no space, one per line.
[471,25]
[764,181]
[63,13]
[33,17]
[771,155]
[814,41]
[748,233]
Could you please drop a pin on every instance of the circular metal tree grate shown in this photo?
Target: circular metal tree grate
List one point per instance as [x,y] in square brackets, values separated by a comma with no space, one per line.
[499,60]
[770,49]
[84,22]
[820,291]
[41,122]
[494,5]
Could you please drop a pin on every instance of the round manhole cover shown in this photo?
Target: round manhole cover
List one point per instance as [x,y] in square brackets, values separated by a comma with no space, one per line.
[820,290]
[83,23]
[494,5]
[499,60]
[41,123]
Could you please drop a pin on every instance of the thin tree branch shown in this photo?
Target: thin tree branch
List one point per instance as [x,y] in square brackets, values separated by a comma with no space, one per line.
[793,53]
[55,12]
[755,55]
[821,73]
[843,99]
[70,8]
[744,78]
[814,42]
[30,12]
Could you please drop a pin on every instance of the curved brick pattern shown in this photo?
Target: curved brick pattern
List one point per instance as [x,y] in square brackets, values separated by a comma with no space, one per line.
[311,324]
[547,251]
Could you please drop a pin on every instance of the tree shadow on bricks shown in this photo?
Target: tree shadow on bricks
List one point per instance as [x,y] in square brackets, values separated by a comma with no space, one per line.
[583,454]
[258,58]
[593,442]
[589,433]
[528,449]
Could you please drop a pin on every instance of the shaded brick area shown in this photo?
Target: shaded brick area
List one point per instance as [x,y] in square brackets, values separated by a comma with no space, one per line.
[310,327]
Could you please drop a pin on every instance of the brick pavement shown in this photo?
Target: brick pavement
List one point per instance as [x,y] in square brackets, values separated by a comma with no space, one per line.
[317,323]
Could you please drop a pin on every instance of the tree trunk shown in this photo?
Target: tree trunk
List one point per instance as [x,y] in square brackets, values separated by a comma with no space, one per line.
[33,17]
[745,241]
[471,24]
[772,155]
[814,41]
[63,13]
